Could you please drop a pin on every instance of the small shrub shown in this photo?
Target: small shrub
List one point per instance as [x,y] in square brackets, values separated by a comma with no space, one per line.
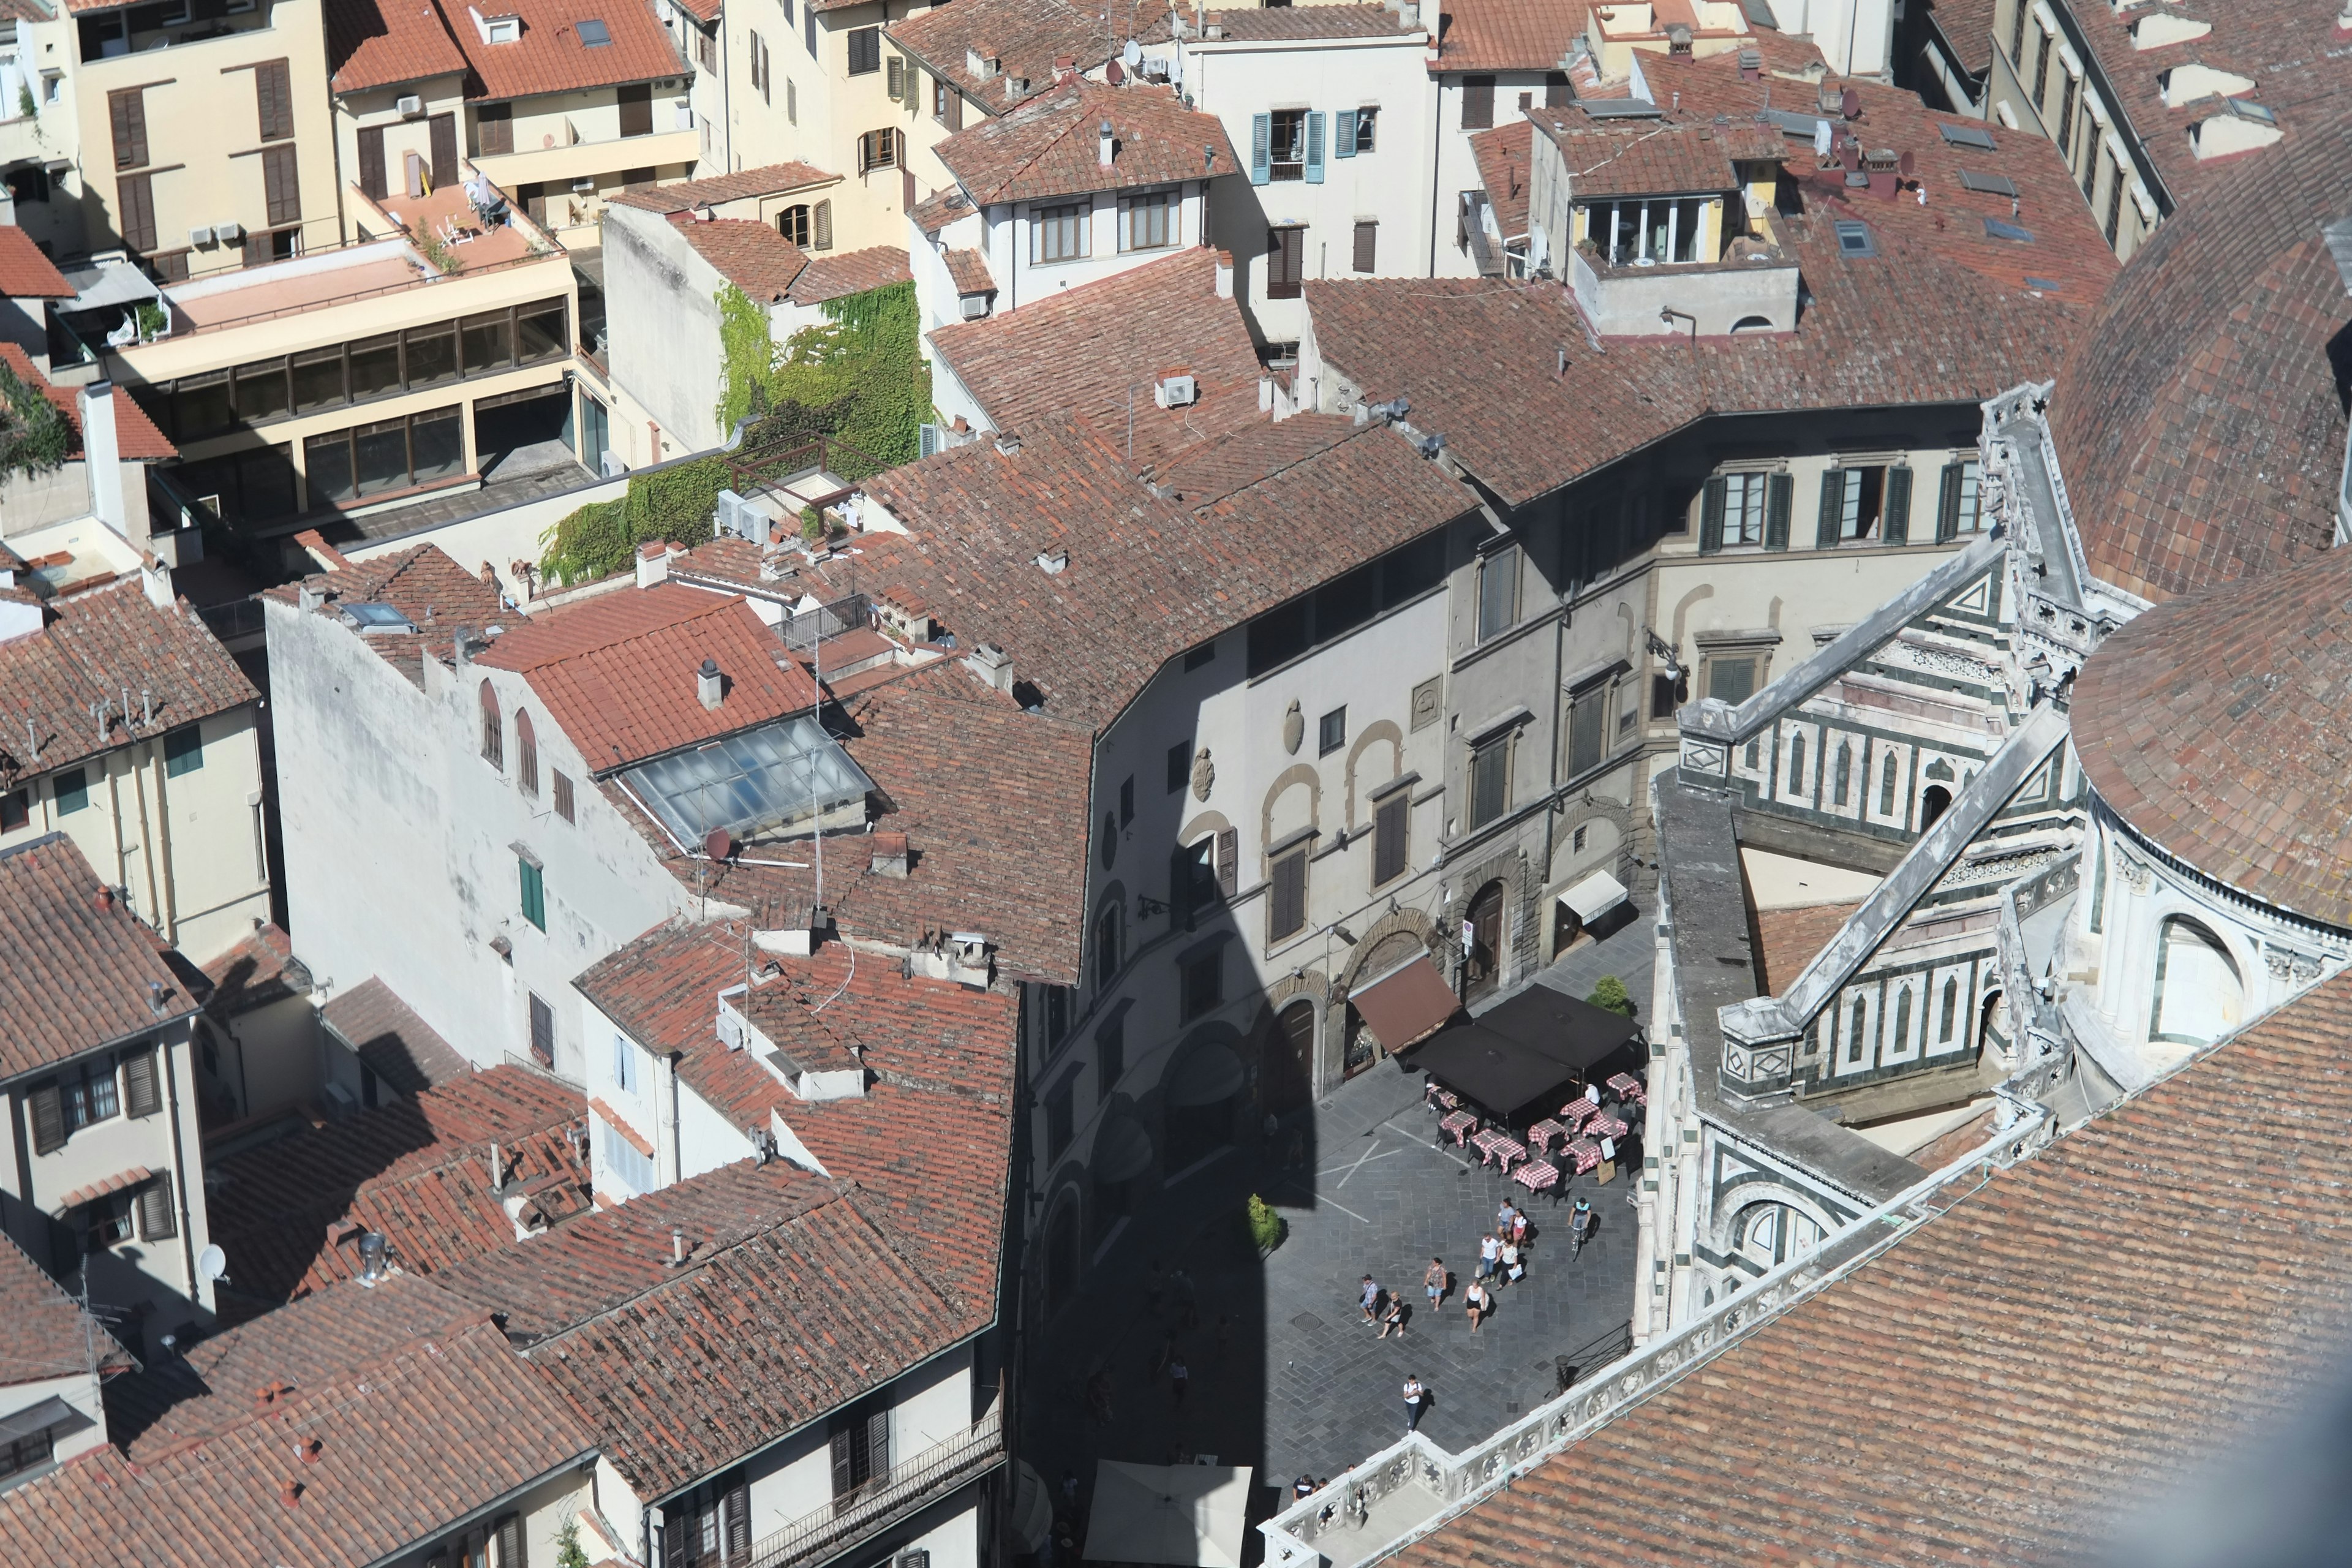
[1609,992]
[1266,1225]
[811,524]
[569,1552]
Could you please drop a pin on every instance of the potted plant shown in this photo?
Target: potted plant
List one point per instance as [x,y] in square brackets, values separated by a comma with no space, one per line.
[1267,1227]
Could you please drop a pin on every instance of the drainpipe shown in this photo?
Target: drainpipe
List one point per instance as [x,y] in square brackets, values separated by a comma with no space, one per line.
[163,831]
[180,1176]
[672,1159]
[146,838]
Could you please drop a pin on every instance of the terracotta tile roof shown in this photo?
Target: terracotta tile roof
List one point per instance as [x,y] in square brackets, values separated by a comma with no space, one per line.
[205,1451]
[968,270]
[289,1213]
[2065,1315]
[1026,37]
[1648,158]
[24,272]
[2212,724]
[940,1058]
[1967,25]
[398,1046]
[993,800]
[940,208]
[135,435]
[1509,35]
[847,272]
[1083,349]
[1049,146]
[1287,22]
[1785,940]
[48,1333]
[617,672]
[1147,578]
[78,976]
[258,971]
[1940,314]
[768,179]
[749,253]
[422,582]
[549,57]
[386,43]
[1501,155]
[797,1297]
[2199,425]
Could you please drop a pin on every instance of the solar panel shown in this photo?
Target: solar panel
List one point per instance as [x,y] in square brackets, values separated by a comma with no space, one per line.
[1618,107]
[594,34]
[1974,136]
[2044,284]
[1999,230]
[776,781]
[1998,184]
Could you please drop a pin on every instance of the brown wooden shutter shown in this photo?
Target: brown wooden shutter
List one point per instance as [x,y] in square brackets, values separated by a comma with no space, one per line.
[494,128]
[955,109]
[142,1088]
[281,186]
[443,130]
[48,1120]
[1368,239]
[637,109]
[877,1444]
[514,1549]
[157,1220]
[372,159]
[1228,860]
[844,1476]
[128,109]
[1287,911]
[1477,102]
[274,91]
[735,1514]
[135,197]
[256,248]
[1389,823]
[1558,94]
[677,1534]
[1895,529]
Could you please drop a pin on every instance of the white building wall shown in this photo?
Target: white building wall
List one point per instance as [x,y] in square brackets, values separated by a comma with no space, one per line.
[1020,281]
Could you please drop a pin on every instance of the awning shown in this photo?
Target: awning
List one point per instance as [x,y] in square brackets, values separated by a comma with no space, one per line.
[1181,1514]
[1209,1076]
[1122,1149]
[1407,1004]
[99,1188]
[1594,897]
[1032,1507]
[1572,1033]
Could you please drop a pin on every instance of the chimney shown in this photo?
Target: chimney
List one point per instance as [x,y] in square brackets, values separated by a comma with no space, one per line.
[710,685]
[993,664]
[498,1167]
[101,455]
[982,65]
[105,901]
[1105,138]
[1224,275]
[653,564]
[371,1259]
[291,1493]
[677,1246]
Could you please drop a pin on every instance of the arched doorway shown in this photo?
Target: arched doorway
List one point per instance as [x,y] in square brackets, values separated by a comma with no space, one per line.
[1202,1093]
[1062,1258]
[2199,996]
[1482,964]
[1934,802]
[1286,1073]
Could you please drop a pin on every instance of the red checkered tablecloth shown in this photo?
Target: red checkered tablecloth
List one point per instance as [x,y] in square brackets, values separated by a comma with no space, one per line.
[1535,1175]
[1459,1124]
[1604,1126]
[1628,1086]
[1542,1134]
[1584,1153]
[1577,1112]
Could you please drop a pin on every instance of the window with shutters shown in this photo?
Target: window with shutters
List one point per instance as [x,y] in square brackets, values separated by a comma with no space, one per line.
[1667,692]
[21,1454]
[127,111]
[513,1541]
[534,892]
[1958,508]
[1126,800]
[273,92]
[1148,222]
[1391,818]
[1201,983]
[88,1095]
[1331,731]
[2041,85]
[1731,677]
[142,1083]
[1557,93]
[281,186]
[372,174]
[494,739]
[1286,261]
[1367,245]
[1287,907]
[1743,508]
[493,129]
[1111,1055]
[865,50]
[1498,592]
[1365,131]
[861,1450]
[1058,234]
[526,753]
[159,1218]
[105,1222]
[71,790]
[542,1030]
[1192,883]
[564,806]
[706,50]
[135,216]
[1061,1117]
[877,150]
[2066,116]
[1286,151]
[897,87]
[1179,765]
[792,101]
[1477,102]
[1853,504]
[1490,781]
[792,222]
[636,106]
[2115,202]
[1588,729]
[2017,34]
[183,751]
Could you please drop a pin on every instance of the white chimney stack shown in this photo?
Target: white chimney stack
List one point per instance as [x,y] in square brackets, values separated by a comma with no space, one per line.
[102,456]
[1224,275]
[1108,137]
[710,685]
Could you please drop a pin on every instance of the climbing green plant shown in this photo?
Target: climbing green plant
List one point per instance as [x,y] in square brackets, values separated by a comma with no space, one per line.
[569,1554]
[36,436]
[862,366]
[746,357]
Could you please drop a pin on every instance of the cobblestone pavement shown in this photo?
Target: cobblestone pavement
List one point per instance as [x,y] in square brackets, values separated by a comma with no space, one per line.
[1284,1374]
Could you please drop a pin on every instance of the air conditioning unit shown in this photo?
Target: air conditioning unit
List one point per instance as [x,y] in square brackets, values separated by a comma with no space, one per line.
[1176,392]
[975,306]
[739,519]
[229,232]
[200,237]
[409,104]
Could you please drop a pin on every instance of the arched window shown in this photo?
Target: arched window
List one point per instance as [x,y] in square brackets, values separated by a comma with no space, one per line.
[1752,757]
[1934,802]
[494,736]
[1857,1040]
[792,222]
[1106,942]
[2199,997]
[1797,765]
[1902,1025]
[1753,325]
[1950,1011]
[1844,777]
[526,753]
[1886,787]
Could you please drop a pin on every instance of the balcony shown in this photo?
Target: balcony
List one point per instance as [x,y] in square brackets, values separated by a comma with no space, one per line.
[927,1477]
[566,161]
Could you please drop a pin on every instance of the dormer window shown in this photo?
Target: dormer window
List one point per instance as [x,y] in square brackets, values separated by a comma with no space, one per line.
[502,30]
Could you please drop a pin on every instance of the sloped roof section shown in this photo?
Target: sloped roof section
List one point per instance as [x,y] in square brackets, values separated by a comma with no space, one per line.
[424,584]
[403,1050]
[24,272]
[1051,146]
[768,179]
[553,55]
[82,971]
[387,43]
[48,1333]
[749,253]
[1025,38]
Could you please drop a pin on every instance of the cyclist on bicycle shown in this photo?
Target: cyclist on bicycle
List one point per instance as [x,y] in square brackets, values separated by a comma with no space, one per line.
[1579,1224]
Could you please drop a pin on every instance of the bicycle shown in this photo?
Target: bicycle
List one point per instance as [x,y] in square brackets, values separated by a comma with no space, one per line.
[1579,1224]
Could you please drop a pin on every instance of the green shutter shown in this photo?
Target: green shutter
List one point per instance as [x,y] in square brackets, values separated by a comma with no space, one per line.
[1710,517]
[1780,492]
[1825,534]
[534,895]
[1261,141]
[1897,526]
[1947,505]
[1314,147]
[1344,144]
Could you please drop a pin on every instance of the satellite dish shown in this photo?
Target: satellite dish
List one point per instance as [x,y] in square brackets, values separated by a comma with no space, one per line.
[1132,54]
[1113,74]
[212,1263]
[718,844]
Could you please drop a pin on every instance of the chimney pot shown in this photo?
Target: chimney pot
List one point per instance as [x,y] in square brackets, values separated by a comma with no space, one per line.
[677,1246]
[710,685]
[498,1167]
[1109,138]
[102,456]
[105,900]
[291,1493]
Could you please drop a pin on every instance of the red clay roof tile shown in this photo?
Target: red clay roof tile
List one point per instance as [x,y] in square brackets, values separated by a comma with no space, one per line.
[749,253]
[1026,37]
[1050,147]
[386,43]
[24,272]
[768,179]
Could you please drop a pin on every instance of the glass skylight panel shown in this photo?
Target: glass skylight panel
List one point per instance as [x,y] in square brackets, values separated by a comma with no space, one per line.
[377,617]
[594,34]
[1966,136]
[776,781]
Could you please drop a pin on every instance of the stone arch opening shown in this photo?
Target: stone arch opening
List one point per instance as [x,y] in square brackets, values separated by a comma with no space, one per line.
[2198,995]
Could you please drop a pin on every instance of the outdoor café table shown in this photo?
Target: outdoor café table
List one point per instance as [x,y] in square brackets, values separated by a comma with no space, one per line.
[1627,1086]
[1577,1112]
[1459,1124]
[1584,1153]
[1500,1147]
[1540,1135]
[1537,1175]
[1604,1126]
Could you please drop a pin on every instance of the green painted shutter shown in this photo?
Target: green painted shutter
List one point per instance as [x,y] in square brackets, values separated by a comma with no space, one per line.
[1947,505]
[1779,494]
[1897,527]
[1825,534]
[1261,139]
[1710,517]
[1344,145]
[1314,147]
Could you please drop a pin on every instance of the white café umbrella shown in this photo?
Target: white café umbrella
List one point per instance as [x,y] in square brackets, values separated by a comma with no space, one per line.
[1183,1514]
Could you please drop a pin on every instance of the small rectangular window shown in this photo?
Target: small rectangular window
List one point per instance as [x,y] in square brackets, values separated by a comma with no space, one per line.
[1286,144]
[143,1086]
[1588,717]
[1148,222]
[897,78]
[105,1223]
[542,1030]
[1477,102]
[624,1065]
[15,810]
[1060,1118]
[1498,592]
[1391,818]
[1179,765]
[1058,234]
[1664,696]
[1286,262]
[1366,119]
[564,806]
[1490,781]
[1368,246]
[1110,1056]
[1057,1015]
[183,751]
[1192,880]
[636,104]
[865,50]
[72,788]
[1201,983]
[1126,800]
[1731,677]
[1287,907]
[1331,731]
[534,894]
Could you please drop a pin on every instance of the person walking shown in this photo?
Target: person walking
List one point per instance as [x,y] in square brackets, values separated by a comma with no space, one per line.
[1369,1298]
[1508,1274]
[1179,1380]
[1579,1226]
[1477,1303]
[1490,1252]
[1416,1398]
[1434,1277]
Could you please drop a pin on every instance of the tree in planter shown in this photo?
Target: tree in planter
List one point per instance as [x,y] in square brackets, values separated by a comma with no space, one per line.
[1266,1225]
[1609,992]
[36,436]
